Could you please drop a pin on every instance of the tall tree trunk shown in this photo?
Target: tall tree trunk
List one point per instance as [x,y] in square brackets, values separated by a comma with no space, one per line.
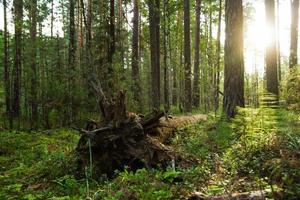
[294,33]
[196,89]
[33,74]
[111,50]
[234,57]
[6,67]
[218,54]
[187,58]
[136,88]
[18,21]
[211,64]
[166,68]
[271,51]
[154,19]
[278,42]
[52,18]
[111,32]
[176,69]
[71,61]
[89,56]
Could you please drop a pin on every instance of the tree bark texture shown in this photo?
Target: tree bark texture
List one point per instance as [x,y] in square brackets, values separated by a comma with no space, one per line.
[234,58]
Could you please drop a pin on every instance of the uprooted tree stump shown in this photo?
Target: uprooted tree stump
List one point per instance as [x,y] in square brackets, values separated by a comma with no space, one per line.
[127,139]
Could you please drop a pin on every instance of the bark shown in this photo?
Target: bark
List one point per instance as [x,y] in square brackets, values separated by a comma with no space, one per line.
[217,86]
[52,18]
[154,22]
[253,195]
[187,58]
[18,22]
[33,74]
[89,60]
[234,58]
[294,33]
[166,67]
[112,38]
[136,88]
[71,60]
[176,72]
[278,42]
[196,89]
[271,51]
[6,67]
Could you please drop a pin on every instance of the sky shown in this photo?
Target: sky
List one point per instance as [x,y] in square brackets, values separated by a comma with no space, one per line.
[255,36]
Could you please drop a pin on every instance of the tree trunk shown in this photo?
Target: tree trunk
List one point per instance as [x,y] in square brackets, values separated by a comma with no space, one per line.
[234,58]
[52,19]
[196,89]
[33,74]
[278,42]
[294,33]
[166,68]
[154,21]
[217,81]
[136,88]
[71,60]
[18,21]
[187,58]
[112,39]
[271,51]
[6,67]
[89,55]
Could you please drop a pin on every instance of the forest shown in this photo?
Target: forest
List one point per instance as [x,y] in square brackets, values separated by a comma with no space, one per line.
[149,99]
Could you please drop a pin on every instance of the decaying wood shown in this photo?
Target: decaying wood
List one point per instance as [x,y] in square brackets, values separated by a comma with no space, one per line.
[166,127]
[127,139]
[253,195]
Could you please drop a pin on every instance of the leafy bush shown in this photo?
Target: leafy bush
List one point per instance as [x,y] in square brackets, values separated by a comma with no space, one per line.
[292,91]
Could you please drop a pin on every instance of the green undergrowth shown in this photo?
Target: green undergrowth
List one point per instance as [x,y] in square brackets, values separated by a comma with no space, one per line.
[259,149]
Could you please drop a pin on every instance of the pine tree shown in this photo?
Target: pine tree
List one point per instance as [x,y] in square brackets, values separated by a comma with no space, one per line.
[196,89]
[234,58]
[187,58]
[271,50]
[294,33]
[154,21]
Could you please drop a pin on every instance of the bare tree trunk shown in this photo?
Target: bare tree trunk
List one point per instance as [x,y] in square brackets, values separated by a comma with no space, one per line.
[18,21]
[217,81]
[196,89]
[234,58]
[294,33]
[89,56]
[187,58]
[136,88]
[176,71]
[71,61]
[6,67]
[52,18]
[33,74]
[271,51]
[166,68]
[278,42]
[154,19]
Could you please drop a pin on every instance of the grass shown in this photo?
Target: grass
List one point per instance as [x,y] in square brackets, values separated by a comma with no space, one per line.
[259,149]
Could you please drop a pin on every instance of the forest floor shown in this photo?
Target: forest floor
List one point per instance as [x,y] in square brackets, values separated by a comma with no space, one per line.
[259,149]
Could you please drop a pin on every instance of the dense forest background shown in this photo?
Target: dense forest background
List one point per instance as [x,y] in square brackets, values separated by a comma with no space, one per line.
[153,50]
[149,99]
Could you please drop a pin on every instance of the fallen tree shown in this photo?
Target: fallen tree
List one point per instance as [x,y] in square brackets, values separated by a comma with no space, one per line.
[253,195]
[126,139]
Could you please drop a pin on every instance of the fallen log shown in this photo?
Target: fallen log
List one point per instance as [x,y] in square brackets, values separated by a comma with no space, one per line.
[253,195]
[167,126]
[124,139]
